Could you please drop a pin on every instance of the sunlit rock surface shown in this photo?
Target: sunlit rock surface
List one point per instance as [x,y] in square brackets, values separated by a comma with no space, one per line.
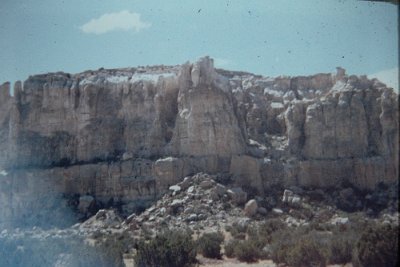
[126,135]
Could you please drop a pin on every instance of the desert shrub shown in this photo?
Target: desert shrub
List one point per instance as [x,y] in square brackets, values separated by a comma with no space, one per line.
[238,230]
[318,226]
[246,251]
[282,243]
[209,245]
[341,247]
[299,247]
[262,234]
[170,248]
[378,246]
[239,227]
[230,248]
[307,251]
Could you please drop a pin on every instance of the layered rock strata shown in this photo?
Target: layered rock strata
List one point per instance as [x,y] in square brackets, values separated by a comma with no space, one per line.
[128,134]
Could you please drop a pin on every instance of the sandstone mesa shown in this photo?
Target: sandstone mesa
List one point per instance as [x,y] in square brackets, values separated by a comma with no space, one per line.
[127,135]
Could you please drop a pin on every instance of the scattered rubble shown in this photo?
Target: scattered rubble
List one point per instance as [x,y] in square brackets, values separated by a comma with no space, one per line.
[202,204]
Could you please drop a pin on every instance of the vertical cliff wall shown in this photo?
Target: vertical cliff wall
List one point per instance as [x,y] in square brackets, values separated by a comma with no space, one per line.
[128,134]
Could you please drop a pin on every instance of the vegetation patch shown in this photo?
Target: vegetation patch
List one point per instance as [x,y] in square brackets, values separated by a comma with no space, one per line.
[209,245]
[170,248]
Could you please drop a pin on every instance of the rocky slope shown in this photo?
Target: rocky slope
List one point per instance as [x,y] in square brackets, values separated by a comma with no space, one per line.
[201,205]
[125,135]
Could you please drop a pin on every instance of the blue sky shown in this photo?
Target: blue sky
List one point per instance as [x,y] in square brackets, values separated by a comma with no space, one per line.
[264,37]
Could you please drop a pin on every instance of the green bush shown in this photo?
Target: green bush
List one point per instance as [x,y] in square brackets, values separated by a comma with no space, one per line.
[230,248]
[170,248]
[282,243]
[209,245]
[378,246]
[238,230]
[308,252]
[299,247]
[341,247]
[246,251]
[261,235]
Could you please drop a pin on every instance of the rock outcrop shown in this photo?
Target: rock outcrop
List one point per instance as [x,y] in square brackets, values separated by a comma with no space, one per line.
[127,135]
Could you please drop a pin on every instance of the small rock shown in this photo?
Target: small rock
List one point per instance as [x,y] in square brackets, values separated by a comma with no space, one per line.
[237,195]
[250,209]
[192,218]
[130,218]
[175,188]
[190,189]
[206,184]
[277,211]
[127,155]
[296,200]
[101,214]
[220,189]
[188,210]
[287,196]
[217,192]
[201,216]
[262,211]
[151,209]
[339,220]
[290,221]
[185,183]
[163,210]
[177,203]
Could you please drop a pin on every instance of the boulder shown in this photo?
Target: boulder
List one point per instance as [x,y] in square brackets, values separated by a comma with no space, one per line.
[207,184]
[103,219]
[290,198]
[339,220]
[175,189]
[287,196]
[262,211]
[218,191]
[250,209]
[237,195]
[277,211]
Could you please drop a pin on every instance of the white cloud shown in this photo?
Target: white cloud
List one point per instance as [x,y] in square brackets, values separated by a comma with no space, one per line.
[390,77]
[120,21]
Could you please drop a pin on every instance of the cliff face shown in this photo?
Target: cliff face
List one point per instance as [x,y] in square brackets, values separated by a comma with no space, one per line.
[127,134]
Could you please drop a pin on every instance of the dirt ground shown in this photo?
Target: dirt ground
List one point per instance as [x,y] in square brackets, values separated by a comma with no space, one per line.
[226,262]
